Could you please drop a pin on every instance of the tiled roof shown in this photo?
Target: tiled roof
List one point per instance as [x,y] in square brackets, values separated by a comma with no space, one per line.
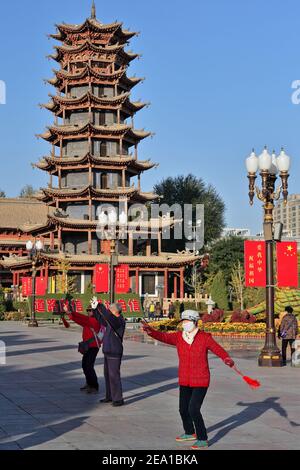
[18,212]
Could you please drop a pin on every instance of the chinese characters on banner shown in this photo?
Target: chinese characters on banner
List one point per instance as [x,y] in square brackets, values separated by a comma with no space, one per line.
[287,264]
[40,285]
[122,279]
[26,286]
[255,263]
[56,306]
[101,278]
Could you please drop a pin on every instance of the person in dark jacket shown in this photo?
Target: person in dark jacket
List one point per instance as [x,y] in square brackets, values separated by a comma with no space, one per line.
[112,348]
[288,332]
[90,330]
[194,376]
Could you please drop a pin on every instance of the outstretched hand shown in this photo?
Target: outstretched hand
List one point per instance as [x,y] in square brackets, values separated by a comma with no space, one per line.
[229,362]
[146,327]
[94,303]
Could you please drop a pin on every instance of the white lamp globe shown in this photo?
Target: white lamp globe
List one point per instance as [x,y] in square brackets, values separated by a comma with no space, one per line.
[274,169]
[265,160]
[283,161]
[29,245]
[252,163]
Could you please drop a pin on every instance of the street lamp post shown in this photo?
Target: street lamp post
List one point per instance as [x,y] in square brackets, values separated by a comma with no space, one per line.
[269,166]
[34,251]
[113,264]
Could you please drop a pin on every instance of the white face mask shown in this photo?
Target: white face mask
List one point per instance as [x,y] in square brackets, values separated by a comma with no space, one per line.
[189,326]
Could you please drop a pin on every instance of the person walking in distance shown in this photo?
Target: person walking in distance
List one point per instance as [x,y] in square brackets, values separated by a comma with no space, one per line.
[114,323]
[194,377]
[288,332]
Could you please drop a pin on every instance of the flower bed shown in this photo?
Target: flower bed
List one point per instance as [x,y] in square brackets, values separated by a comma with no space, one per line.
[239,330]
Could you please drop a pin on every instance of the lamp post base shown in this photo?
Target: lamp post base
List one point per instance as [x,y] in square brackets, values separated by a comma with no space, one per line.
[33,324]
[270,359]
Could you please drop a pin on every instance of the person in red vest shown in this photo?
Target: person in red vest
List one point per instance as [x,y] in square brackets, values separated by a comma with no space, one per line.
[89,347]
[194,376]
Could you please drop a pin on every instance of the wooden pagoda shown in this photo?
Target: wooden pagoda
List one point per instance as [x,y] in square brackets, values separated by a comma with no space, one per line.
[94,159]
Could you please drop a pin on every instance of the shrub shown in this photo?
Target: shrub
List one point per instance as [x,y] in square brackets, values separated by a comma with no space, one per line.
[215,317]
[244,316]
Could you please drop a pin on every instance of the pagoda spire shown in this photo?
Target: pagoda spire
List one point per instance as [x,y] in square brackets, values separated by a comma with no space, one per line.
[93,13]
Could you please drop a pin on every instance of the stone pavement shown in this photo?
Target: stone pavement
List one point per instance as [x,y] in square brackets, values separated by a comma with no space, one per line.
[41,406]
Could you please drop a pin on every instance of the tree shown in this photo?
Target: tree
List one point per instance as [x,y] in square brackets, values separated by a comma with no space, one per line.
[65,284]
[27,192]
[192,190]
[224,255]
[238,283]
[2,194]
[2,304]
[219,292]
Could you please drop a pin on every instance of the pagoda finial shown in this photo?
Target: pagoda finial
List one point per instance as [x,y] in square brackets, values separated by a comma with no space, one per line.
[93,13]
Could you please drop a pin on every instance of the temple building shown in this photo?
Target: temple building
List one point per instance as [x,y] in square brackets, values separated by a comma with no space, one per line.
[94,160]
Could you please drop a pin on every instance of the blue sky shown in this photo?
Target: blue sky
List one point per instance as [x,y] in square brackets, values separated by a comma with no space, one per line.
[218,75]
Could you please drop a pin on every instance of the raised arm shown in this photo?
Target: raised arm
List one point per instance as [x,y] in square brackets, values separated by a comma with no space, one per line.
[82,320]
[104,313]
[168,338]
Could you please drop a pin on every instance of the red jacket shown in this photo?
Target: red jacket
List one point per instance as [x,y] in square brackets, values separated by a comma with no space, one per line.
[87,323]
[193,362]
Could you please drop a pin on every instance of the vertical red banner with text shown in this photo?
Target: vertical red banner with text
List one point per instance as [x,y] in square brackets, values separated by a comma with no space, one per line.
[122,279]
[26,286]
[287,264]
[40,285]
[255,263]
[101,278]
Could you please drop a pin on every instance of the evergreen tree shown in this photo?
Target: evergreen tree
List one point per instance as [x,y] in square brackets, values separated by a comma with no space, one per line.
[219,292]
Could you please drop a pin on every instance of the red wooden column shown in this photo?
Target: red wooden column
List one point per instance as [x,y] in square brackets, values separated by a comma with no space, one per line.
[14,279]
[47,276]
[137,281]
[175,285]
[166,289]
[181,282]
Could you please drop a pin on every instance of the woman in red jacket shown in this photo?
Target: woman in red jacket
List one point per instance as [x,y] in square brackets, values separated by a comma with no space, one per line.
[91,328]
[194,376]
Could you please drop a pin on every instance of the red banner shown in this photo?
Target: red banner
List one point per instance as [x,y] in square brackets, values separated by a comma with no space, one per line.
[122,279]
[26,286]
[255,263]
[40,285]
[101,278]
[287,264]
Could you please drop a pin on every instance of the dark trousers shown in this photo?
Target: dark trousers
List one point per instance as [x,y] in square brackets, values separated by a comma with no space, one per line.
[112,375]
[284,346]
[190,402]
[88,363]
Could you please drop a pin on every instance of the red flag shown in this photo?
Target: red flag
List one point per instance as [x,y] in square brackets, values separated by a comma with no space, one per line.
[122,279]
[101,275]
[255,263]
[287,264]
[26,286]
[40,285]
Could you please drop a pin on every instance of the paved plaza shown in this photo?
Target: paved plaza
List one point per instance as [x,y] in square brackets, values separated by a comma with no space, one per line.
[41,406]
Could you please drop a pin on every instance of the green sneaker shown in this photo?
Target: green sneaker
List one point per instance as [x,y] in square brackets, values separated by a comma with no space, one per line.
[186,437]
[200,445]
